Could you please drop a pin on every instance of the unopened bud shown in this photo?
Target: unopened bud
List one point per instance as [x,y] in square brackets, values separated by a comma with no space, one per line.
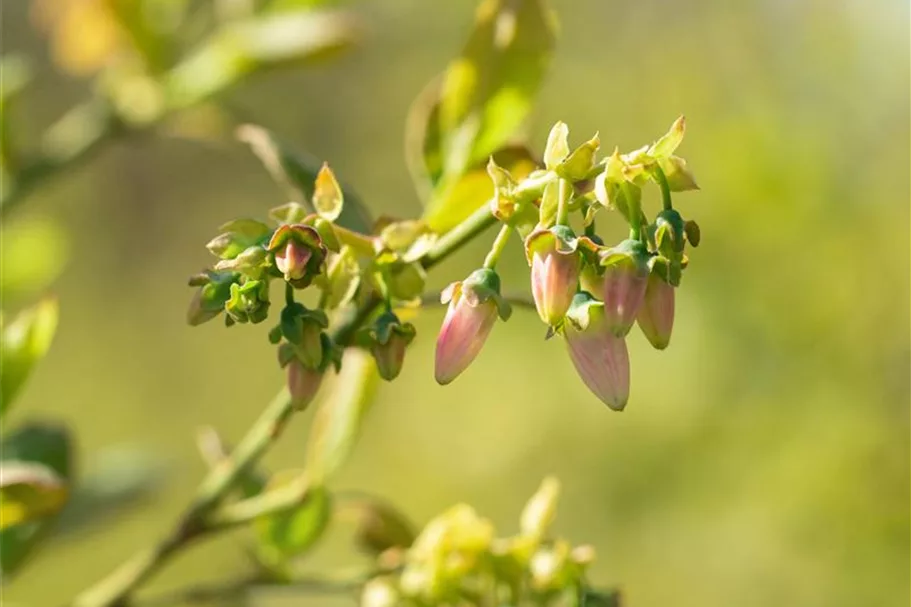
[474,305]
[600,357]
[623,287]
[656,317]
[299,253]
[555,268]
[303,383]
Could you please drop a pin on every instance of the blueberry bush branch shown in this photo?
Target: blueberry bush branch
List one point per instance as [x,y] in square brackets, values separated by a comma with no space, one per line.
[346,283]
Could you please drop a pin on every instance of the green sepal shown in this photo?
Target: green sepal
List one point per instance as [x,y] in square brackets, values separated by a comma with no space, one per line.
[692,232]
[480,286]
[629,251]
[669,233]
[238,235]
[214,292]
[667,270]
[387,324]
[584,310]
[249,302]
[325,229]
[290,213]
[250,261]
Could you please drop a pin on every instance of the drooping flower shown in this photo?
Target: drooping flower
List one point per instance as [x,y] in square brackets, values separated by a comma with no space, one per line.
[299,253]
[388,338]
[303,383]
[656,316]
[555,267]
[601,358]
[474,305]
[624,283]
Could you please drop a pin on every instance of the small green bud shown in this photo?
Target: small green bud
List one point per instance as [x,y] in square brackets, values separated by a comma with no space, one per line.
[249,302]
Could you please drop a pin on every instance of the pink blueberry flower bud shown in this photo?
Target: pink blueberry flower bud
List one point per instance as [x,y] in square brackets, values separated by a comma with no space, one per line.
[601,358]
[474,305]
[299,253]
[624,283]
[303,383]
[292,260]
[656,316]
[555,268]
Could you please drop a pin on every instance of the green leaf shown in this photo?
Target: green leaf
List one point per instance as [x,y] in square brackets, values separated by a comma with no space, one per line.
[343,278]
[669,142]
[288,534]
[606,598]
[679,177]
[497,75]
[483,97]
[475,189]
[337,422]
[23,343]
[246,46]
[550,202]
[29,492]
[44,444]
[297,174]
[557,148]
[34,251]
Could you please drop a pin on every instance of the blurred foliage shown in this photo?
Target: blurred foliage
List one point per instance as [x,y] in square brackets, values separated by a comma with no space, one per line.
[767,462]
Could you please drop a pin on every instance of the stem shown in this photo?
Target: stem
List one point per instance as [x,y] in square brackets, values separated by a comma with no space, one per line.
[665,188]
[490,262]
[204,516]
[563,203]
[75,138]
[456,238]
[635,212]
[289,294]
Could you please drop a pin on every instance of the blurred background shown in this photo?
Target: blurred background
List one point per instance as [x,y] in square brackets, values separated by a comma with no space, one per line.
[764,457]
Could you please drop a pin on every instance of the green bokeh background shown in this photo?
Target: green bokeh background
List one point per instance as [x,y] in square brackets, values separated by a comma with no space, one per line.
[764,457]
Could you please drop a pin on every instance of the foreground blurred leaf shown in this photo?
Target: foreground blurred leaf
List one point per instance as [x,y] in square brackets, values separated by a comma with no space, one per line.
[34,251]
[297,173]
[474,188]
[606,598]
[117,478]
[243,47]
[22,344]
[338,419]
[381,526]
[84,36]
[288,534]
[45,444]
[484,95]
[28,492]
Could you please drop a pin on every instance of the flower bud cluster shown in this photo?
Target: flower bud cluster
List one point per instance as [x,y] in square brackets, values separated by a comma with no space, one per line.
[589,293]
[458,559]
[308,250]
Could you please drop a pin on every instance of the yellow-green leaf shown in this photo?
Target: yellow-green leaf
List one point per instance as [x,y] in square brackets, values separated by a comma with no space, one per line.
[291,533]
[669,142]
[29,491]
[297,173]
[45,444]
[23,343]
[337,423]
[557,148]
[481,99]
[475,189]
[327,194]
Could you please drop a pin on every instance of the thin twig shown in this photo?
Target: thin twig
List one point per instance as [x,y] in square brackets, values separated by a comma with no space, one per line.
[203,516]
